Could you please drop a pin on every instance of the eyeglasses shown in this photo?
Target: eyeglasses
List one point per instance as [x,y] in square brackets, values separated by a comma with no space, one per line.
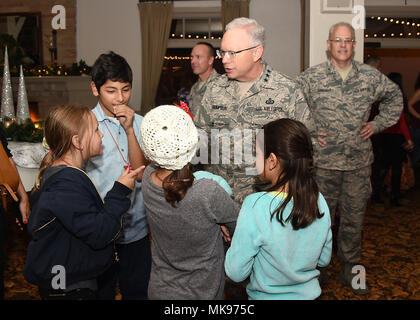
[232,54]
[339,40]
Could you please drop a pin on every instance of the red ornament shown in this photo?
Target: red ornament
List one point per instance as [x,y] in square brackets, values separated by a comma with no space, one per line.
[185,107]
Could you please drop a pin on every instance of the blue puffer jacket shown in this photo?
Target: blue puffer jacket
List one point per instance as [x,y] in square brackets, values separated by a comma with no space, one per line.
[72,227]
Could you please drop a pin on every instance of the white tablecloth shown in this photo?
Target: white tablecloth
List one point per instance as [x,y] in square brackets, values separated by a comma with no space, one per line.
[27,154]
[28,157]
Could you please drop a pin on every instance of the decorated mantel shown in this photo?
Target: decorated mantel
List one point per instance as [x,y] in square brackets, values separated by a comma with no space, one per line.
[51,85]
[27,155]
[50,91]
[44,87]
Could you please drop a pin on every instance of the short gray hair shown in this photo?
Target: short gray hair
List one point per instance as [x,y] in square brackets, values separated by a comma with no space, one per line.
[342,24]
[255,31]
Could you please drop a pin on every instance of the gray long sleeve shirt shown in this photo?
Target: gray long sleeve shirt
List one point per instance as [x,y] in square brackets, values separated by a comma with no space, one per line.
[187,246]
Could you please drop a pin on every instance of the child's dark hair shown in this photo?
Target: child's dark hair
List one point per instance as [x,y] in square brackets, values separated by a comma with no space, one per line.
[176,185]
[111,66]
[290,141]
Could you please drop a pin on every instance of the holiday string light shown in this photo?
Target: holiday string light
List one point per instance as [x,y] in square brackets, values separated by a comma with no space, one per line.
[191,36]
[180,58]
[176,58]
[410,35]
[403,22]
[398,21]
[76,69]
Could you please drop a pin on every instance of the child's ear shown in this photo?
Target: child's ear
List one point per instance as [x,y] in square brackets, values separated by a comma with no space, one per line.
[272,161]
[76,141]
[94,89]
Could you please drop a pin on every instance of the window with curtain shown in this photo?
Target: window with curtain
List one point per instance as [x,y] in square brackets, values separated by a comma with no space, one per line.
[196,28]
[190,24]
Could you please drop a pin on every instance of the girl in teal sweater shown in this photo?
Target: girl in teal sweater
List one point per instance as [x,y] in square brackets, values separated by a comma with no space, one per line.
[282,234]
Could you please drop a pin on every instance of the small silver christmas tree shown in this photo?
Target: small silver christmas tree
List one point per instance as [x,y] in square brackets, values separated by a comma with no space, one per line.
[7,107]
[22,109]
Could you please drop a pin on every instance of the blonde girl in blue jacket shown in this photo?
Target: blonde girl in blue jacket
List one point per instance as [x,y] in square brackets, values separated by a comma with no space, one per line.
[282,234]
[73,229]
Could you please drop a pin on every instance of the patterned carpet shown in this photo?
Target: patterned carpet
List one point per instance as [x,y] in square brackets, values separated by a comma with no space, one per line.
[390,254]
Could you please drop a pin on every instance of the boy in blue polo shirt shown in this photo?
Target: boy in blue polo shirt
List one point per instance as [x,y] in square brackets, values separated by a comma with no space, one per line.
[120,125]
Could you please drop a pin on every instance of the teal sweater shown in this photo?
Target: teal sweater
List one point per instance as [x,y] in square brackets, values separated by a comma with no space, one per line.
[280,261]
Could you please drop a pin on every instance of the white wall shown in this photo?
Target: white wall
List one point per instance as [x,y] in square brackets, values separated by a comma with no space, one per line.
[282,23]
[319,25]
[104,25]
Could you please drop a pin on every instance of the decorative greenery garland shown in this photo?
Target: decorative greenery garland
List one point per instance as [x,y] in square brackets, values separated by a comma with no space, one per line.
[27,131]
[76,69]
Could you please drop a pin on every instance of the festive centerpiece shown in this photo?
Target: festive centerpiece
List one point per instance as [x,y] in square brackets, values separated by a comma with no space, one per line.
[22,128]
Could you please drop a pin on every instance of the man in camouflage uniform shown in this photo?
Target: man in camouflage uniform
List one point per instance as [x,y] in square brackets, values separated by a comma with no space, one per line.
[248,96]
[339,93]
[202,58]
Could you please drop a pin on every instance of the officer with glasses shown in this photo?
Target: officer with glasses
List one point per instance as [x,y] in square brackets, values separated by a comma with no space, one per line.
[340,93]
[249,95]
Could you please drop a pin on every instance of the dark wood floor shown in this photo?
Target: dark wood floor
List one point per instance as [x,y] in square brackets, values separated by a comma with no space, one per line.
[390,253]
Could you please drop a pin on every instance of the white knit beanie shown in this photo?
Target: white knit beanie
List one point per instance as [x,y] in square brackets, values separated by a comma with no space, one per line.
[169,137]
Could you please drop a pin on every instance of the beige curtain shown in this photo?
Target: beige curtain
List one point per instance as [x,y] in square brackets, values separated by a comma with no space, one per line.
[155,22]
[232,9]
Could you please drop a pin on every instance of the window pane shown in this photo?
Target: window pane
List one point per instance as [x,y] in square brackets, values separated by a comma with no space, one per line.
[196,27]
[176,28]
[216,28]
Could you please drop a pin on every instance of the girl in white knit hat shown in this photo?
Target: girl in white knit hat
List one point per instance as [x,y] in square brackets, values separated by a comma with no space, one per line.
[184,212]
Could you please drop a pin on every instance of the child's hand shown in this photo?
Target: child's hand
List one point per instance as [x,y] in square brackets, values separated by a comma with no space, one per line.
[225,233]
[129,177]
[125,115]
[25,209]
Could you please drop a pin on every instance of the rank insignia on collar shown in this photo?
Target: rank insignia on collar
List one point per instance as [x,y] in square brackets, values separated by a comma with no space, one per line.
[270,101]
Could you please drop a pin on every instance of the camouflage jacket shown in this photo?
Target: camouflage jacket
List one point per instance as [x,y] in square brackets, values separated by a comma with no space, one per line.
[272,96]
[340,107]
[197,92]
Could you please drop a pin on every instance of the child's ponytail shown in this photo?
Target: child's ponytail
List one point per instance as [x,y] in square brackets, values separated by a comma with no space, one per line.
[176,184]
[46,162]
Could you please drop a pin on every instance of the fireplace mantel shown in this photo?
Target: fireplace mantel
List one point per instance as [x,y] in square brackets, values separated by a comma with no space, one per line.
[51,91]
